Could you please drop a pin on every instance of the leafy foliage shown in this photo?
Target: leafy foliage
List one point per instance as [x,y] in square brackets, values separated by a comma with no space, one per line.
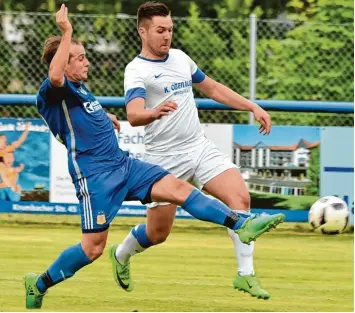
[312,189]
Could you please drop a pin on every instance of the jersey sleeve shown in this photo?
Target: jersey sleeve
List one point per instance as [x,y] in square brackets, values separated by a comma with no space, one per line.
[196,74]
[134,85]
[54,94]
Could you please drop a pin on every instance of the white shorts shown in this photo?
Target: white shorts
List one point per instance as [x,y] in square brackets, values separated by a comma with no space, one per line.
[197,167]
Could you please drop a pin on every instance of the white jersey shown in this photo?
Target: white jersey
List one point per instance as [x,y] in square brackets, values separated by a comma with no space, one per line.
[159,81]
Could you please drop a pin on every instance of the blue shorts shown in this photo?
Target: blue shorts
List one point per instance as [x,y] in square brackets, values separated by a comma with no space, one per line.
[101,195]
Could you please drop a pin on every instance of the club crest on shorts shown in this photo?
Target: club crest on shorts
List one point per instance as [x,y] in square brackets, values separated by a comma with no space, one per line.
[101,218]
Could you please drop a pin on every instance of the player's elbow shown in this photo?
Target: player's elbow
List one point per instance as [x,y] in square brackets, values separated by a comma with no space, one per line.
[133,119]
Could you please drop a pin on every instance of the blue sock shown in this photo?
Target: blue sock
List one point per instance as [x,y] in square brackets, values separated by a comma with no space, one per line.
[140,233]
[70,260]
[211,210]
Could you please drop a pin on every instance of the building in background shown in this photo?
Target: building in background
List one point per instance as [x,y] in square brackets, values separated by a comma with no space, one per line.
[275,169]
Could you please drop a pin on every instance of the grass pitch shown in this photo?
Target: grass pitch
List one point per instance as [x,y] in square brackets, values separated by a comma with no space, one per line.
[192,271]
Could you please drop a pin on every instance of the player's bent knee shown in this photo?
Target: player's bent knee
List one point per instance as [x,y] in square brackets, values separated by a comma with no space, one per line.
[94,252]
[171,189]
[180,191]
[238,200]
[93,248]
[183,189]
[158,234]
[159,237]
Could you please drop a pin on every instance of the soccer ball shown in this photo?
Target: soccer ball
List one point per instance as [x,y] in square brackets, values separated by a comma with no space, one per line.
[329,215]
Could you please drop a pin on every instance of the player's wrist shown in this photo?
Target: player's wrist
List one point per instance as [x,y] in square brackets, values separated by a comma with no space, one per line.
[67,32]
[255,108]
[153,114]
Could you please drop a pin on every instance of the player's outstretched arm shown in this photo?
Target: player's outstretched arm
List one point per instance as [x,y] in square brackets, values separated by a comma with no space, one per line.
[137,115]
[61,58]
[227,96]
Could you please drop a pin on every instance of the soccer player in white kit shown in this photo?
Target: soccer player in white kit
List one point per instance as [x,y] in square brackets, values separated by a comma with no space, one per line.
[158,92]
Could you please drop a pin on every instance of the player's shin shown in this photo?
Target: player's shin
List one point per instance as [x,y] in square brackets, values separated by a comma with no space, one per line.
[70,261]
[136,242]
[212,210]
[244,254]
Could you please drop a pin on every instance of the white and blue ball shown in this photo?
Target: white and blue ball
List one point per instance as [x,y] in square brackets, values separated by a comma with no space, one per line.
[329,215]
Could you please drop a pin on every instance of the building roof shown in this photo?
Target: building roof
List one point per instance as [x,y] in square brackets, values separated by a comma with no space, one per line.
[312,145]
[302,143]
[243,147]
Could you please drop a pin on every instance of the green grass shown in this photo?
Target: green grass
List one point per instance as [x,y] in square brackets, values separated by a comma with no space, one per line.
[298,202]
[192,271]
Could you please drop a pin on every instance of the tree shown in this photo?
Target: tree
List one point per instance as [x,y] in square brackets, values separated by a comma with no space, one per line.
[313,172]
[270,9]
[312,61]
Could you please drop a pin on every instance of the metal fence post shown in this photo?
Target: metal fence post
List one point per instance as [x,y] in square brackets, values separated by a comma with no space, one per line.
[252,70]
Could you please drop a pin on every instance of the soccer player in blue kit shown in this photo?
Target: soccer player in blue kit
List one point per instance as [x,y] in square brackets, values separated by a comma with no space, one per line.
[103,175]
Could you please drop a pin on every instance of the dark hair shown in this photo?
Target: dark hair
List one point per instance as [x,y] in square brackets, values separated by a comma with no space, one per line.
[150,9]
[51,46]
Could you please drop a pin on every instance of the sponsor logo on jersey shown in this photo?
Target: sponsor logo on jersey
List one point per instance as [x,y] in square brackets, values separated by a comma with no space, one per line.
[92,106]
[178,86]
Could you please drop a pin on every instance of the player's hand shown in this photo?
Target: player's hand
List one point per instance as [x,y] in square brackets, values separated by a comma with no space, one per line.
[264,119]
[27,127]
[62,19]
[164,109]
[115,122]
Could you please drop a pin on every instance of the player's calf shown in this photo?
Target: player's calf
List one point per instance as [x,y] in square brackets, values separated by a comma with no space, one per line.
[160,219]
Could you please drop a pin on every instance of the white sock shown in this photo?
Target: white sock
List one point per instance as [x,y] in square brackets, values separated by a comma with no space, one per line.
[128,248]
[243,253]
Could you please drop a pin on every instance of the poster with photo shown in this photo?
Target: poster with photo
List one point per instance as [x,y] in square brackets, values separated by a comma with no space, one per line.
[24,160]
[282,169]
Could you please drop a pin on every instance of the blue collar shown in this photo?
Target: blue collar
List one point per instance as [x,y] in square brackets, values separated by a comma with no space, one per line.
[149,60]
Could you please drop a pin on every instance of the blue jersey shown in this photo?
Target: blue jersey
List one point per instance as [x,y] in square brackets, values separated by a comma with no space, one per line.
[78,121]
